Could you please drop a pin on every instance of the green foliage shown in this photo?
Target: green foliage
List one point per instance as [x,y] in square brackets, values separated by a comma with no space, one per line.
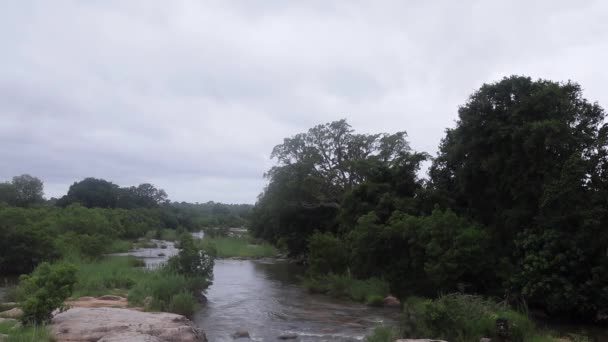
[112,275]
[169,291]
[424,254]
[528,159]
[369,291]
[31,333]
[183,303]
[45,290]
[326,254]
[317,174]
[192,260]
[382,334]
[226,247]
[462,318]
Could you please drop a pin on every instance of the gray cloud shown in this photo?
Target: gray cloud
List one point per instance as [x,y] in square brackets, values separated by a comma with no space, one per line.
[192,95]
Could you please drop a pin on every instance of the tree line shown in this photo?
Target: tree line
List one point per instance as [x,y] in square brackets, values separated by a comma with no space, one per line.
[515,204]
[91,217]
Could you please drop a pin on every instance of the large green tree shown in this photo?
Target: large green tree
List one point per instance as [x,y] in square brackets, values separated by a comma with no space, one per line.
[322,172]
[22,191]
[528,160]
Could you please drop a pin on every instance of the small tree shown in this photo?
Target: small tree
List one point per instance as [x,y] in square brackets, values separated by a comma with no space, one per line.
[192,260]
[46,289]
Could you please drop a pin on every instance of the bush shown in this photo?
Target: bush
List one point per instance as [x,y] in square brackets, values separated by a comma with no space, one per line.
[382,334]
[183,303]
[191,260]
[371,291]
[326,254]
[462,318]
[45,290]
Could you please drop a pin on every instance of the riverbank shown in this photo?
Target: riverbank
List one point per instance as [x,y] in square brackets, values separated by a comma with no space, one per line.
[237,247]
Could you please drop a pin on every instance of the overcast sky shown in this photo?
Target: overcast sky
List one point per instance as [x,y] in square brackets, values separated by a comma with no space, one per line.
[192,95]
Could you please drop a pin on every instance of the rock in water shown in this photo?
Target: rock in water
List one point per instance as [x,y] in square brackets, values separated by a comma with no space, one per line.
[116,324]
[391,301]
[288,336]
[241,333]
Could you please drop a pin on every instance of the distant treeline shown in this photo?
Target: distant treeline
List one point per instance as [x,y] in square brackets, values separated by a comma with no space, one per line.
[92,216]
[515,204]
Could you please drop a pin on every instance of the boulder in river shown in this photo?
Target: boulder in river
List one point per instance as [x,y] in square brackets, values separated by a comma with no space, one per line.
[287,336]
[391,302]
[117,324]
[241,333]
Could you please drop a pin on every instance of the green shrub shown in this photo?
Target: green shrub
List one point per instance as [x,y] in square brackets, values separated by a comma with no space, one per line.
[45,290]
[191,260]
[462,318]
[382,334]
[183,303]
[111,275]
[374,300]
[371,291]
[326,254]
[226,247]
[34,333]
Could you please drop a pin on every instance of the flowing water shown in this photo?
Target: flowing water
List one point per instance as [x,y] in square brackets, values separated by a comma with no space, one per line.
[264,298]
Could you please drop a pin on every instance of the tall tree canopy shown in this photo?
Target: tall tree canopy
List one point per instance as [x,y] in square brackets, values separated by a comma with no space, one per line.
[528,160]
[317,173]
[22,191]
[99,193]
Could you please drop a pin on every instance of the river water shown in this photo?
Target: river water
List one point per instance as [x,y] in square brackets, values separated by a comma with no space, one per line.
[263,297]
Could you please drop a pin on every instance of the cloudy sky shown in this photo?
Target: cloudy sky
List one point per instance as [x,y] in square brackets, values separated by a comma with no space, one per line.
[192,95]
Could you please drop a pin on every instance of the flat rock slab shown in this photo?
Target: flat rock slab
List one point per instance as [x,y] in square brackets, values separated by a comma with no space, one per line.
[116,324]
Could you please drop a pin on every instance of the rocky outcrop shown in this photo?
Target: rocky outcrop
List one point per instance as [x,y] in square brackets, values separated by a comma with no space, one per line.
[12,313]
[391,302]
[117,324]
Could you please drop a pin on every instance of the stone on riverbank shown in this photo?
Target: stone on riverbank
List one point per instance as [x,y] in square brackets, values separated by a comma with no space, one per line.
[391,302]
[12,313]
[117,324]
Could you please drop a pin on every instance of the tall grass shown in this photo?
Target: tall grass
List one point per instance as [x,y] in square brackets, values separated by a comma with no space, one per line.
[464,318]
[165,290]
[34,333]
[120,246]
[226,247]
[371,291]
[382,334]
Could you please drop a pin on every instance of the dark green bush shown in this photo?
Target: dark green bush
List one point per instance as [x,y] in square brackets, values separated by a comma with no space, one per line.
[461,318]
[183,303]
[45,290]
[326,254]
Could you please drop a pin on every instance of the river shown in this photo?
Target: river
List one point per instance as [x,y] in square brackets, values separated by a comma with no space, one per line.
[264,298]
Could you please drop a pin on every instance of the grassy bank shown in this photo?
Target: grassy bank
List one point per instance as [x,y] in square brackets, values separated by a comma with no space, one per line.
[155,290]
[24,334]
[464,318]
[227,247]
[370,291]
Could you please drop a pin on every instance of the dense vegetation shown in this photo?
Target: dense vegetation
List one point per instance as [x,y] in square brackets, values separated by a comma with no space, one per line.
[94,218]
[515,205]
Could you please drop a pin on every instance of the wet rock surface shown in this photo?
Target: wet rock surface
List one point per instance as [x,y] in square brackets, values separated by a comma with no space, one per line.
[117,324]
